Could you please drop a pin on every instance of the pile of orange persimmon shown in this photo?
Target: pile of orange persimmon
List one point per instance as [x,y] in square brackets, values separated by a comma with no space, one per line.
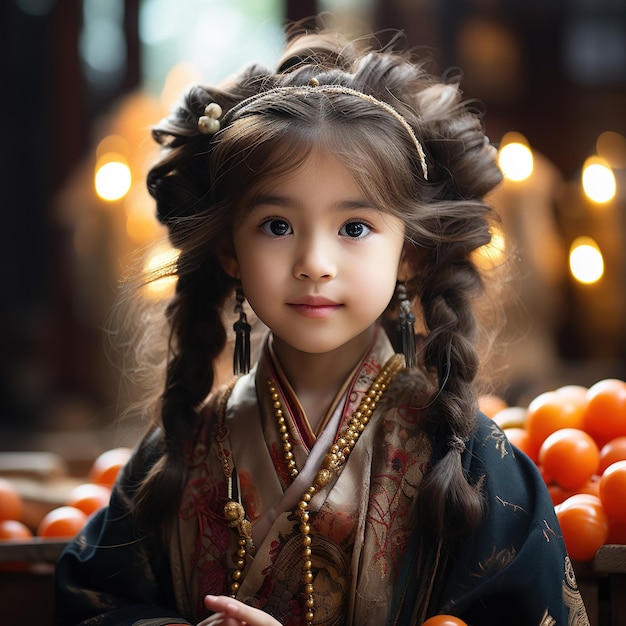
[577,437]
[63,521]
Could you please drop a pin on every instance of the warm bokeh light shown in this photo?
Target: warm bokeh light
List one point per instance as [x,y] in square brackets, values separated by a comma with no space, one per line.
[113,177]
[160,269]
[515,157]
[585,261]
[142,225]
[611,146]
[113,144]
[598,180]
[492,254]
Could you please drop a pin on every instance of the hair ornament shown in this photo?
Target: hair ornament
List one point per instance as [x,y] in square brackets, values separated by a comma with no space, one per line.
[315,86]
[406,326]
[241,355]
[457,443]
[209,123]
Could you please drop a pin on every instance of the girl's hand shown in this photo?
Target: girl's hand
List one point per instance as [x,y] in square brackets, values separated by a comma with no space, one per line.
[231,612]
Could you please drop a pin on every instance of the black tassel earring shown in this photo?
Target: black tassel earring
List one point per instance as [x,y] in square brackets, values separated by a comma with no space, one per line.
[241,356]
[406,326]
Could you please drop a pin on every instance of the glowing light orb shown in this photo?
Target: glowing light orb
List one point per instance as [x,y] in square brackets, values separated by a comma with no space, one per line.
[113,180]
[516,161]
[598,180]
[585,261]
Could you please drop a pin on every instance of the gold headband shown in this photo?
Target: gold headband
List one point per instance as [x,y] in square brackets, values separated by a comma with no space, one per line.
[209,119]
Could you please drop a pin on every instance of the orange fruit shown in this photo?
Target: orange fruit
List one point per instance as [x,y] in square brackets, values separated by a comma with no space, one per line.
[592,486]
[14,530]
[518,437]
[64,521]
[89,497]
[614,450]
[11,504]
[511,417]
[444,620]
[576,393]
[549,412]
[613,491]
[106,467]
[584,525]
[617,532]
[558,494]
[604,417]
[570,457]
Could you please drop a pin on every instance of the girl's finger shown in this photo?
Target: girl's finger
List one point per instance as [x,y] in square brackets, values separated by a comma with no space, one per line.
[239,611]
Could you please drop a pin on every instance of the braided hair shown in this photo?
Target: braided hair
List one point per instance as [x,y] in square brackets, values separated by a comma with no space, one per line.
[202,182]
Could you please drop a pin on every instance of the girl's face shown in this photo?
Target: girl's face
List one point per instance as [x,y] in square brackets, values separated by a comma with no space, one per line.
[317,261]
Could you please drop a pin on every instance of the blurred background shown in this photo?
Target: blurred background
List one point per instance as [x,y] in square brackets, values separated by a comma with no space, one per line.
[84,80]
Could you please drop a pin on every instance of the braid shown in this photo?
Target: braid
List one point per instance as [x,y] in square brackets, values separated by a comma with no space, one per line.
[197,338]
[180,184]
[446,500]
[452,226]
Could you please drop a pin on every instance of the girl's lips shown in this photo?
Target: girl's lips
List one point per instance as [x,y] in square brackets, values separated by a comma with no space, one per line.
[313,300]
[315,312]
[314,307]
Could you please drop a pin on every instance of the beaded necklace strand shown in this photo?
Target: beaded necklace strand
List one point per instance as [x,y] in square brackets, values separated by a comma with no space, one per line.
[333,461]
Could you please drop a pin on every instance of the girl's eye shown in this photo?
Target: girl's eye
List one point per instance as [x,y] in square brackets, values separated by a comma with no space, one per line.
[276,227]
[355,230]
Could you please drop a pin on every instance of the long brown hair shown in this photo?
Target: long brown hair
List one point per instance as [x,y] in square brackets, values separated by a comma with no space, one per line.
[202,181]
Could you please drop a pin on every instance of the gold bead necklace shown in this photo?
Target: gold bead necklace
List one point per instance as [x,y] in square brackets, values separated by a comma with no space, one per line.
[234,513]
[290,460]
[332,463]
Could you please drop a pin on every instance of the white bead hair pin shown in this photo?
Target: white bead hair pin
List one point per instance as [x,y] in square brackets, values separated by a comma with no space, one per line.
[209,123]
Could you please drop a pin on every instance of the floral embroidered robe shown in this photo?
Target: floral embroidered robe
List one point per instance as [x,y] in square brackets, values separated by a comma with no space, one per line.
[364,531]
[360,522]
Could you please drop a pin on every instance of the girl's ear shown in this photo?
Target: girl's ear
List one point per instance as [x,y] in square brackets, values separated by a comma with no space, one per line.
[228,260]
[408,261]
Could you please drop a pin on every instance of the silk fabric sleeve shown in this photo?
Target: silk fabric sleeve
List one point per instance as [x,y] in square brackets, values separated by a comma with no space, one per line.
[515,568]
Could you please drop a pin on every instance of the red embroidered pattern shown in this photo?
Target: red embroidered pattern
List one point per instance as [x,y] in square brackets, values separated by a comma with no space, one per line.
[391,496]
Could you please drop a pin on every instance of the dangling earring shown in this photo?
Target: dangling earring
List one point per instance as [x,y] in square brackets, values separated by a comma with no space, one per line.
[406,326]
[241,356]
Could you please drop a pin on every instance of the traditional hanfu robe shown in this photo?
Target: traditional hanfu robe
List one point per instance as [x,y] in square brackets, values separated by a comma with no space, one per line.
[367,548]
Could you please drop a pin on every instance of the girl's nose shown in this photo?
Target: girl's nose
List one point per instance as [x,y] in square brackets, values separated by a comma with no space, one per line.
[315,260]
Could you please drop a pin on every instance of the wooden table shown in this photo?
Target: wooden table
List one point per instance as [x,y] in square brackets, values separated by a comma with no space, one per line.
[602,584]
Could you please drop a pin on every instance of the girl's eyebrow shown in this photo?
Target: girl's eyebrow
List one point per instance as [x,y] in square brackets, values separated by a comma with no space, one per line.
[358,203]
[264,199]
[284,201]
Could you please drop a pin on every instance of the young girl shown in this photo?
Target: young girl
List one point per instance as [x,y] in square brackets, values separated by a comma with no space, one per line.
[338,482]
